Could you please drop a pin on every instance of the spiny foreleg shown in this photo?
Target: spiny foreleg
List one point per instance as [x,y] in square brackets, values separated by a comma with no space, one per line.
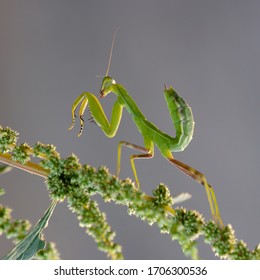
[97,113]
[74,107]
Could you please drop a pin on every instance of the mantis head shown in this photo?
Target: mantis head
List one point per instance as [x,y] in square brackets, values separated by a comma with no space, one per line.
[108,81]
[106,86]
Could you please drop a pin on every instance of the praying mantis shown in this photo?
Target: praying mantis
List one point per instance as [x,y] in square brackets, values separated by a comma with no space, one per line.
[182,118]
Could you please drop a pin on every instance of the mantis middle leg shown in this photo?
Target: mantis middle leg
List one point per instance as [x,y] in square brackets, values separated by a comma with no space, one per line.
[148,153]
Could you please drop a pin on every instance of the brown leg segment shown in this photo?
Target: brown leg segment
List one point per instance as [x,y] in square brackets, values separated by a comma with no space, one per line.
[148,154]
[200,178]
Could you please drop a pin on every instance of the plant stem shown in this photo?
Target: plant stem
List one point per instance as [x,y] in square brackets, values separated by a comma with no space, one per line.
[30,167]
[36,169]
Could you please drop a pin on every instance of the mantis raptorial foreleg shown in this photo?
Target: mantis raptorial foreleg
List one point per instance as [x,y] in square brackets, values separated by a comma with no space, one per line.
[148,153]
[74,107]
[98,114]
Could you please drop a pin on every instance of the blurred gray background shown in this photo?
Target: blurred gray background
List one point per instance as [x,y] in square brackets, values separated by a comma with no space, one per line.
[51,51]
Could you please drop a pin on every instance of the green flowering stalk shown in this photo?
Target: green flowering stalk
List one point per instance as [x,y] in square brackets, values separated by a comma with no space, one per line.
[67,179]
[12,229]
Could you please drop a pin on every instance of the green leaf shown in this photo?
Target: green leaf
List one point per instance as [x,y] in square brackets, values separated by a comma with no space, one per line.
[28,247]
[5,168]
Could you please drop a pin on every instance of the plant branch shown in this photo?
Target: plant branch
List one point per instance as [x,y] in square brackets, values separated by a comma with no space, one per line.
[77,183]
[30,167]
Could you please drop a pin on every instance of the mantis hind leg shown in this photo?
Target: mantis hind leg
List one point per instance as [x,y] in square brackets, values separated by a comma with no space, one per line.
[200,178]
[148,153]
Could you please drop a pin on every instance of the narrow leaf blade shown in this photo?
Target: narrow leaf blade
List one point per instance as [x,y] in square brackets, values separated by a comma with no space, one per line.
[181,198]
[5,169]
[28,247]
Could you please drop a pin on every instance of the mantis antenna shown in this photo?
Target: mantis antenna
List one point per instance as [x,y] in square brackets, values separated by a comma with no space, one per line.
[111,52]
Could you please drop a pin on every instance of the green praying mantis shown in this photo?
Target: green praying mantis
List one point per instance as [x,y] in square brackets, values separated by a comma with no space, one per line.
[182,118]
